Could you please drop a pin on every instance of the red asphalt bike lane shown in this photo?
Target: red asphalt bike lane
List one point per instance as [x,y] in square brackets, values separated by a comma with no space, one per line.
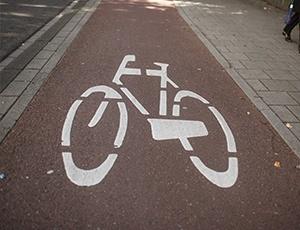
[152,184]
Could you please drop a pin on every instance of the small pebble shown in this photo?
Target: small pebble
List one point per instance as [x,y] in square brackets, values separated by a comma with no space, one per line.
[50,172]
[2,176]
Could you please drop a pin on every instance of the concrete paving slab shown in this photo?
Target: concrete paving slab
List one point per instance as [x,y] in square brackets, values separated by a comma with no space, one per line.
[235,56]
[44,54]
[296,96]
[277,98]
[6,61]
[35,85]
[253,74]
[236,64]
[257,85]
[281,74]
[57,40]
[25,57]
[281,65]
[6,124]
[295,110]
[18,108]
[296,84]
[51,63]
[279,85]
[284,114]
[16,53]
[296,73]
[6,102]
[3,131]
[296,129]
[51,47]
[37,63]
[26,75]
[257,55]
[6,77]
[256,64]
[15,88]
[63,34]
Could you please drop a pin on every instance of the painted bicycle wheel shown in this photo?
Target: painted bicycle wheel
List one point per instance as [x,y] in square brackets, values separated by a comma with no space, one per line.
[82,177]
[223,179]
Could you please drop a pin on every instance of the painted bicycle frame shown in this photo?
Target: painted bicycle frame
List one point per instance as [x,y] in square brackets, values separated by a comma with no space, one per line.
[162,128]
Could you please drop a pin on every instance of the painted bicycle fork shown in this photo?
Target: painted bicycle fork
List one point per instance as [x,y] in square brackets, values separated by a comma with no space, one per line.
[162,128]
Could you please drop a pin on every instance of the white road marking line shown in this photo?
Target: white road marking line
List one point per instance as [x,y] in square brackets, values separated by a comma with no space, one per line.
[176,110]
[186,144]
[162,73]
[163,103]
[186,93]
[82,177]
[221,179]
[110,93]
[122,126]
[96,118]
[66,132]
[134,101]
[167,129]
[231,146]
[123,70]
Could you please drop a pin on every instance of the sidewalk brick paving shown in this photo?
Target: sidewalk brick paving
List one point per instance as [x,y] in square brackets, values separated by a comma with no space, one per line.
[247,37]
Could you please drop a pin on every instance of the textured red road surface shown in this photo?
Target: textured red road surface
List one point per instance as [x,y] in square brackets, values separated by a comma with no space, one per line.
[153,184]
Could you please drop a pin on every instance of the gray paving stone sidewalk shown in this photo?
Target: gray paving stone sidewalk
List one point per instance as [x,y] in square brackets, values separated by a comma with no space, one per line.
[246,39]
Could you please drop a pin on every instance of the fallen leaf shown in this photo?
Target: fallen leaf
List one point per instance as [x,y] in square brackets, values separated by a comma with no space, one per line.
[277,164]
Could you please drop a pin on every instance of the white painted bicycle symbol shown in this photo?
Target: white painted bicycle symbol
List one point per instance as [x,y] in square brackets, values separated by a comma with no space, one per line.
[162,128]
